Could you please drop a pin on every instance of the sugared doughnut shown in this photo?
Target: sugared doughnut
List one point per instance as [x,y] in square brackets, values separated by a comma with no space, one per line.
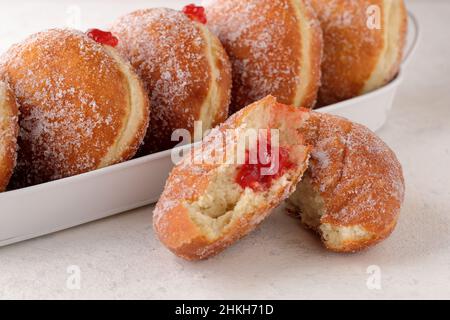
[353,189]
[9,129]
[183,66]
[82,106]
[208,205]
[363,45]
[275,47]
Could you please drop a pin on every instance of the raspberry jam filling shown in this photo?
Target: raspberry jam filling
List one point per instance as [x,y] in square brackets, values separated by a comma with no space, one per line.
[103,37]
[260,175]
[195,13]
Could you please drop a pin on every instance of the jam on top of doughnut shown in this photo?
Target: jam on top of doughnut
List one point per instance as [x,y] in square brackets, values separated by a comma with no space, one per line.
[252,175]
[103,37]
[196,13]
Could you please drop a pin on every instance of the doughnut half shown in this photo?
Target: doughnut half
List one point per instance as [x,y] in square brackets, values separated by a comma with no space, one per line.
[185,70]
[203,208]
[363,45]
[82,106]
[275,47]
[353,189]
[9,129]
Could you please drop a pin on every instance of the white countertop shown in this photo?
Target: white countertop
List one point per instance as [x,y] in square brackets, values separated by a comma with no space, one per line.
[120,257]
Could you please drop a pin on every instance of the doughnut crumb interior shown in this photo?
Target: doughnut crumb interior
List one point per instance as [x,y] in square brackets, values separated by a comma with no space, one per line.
[205,207]
[353,189]
[224,202]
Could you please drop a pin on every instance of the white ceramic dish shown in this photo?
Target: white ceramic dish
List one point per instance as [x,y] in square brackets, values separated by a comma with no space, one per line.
[54,206]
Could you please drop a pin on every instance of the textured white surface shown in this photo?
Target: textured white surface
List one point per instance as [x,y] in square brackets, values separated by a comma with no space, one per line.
[119,257]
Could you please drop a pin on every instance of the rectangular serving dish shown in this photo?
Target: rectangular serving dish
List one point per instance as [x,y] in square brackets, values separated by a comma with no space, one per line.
[61,204]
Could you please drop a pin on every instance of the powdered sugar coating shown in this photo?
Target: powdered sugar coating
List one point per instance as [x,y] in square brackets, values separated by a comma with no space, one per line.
[9,130]
[73,100]
[170,53]
[264,41]
[355,172]
[352,49]
[190,181]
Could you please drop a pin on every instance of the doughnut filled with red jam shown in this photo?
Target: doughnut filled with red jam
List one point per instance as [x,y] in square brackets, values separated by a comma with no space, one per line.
[259,176]
[195,13]
[103,37]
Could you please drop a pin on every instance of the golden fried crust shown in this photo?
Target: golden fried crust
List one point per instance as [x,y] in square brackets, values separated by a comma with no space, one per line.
[402,16]
[9,129]
[180,234]
[189,181]
[275,48]
[357,58]
[357,175]
[184,67]
[220,101]
[78,106]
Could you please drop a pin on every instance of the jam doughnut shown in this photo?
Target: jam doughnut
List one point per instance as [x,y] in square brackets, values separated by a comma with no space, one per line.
[9,129]
[353,189]
[184,67]
[82,106]
[275,47]
[363,45]
[208,205]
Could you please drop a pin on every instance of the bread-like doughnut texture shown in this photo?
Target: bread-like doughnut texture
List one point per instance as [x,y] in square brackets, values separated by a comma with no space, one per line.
[9,129]
[353,189]
[185,70]
[203,209]
[82,106]
[358,56]
[275,47]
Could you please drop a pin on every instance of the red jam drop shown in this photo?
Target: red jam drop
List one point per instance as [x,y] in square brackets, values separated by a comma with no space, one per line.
[195,13]
[103,37]
[251,175]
